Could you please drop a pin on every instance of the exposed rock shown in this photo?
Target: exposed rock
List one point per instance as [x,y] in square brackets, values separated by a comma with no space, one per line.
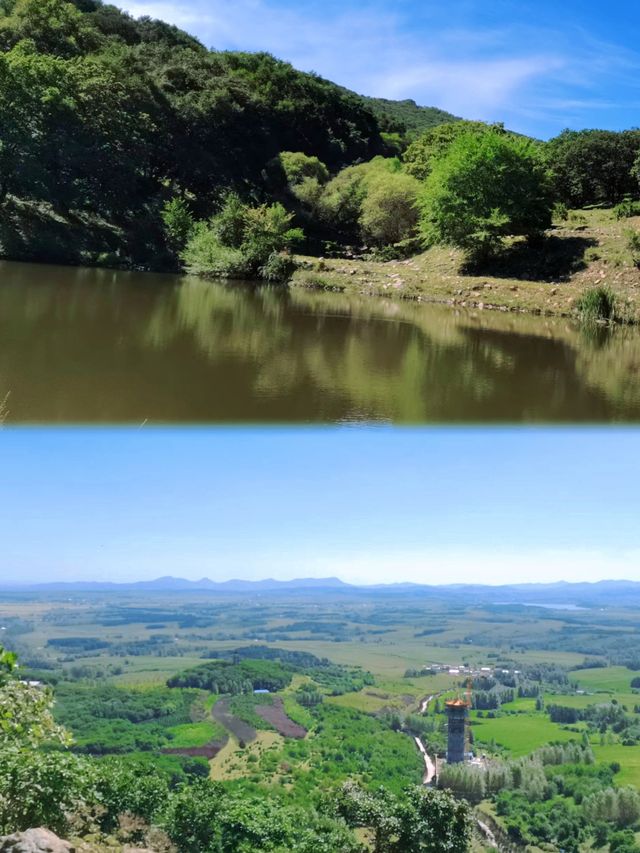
[34,841]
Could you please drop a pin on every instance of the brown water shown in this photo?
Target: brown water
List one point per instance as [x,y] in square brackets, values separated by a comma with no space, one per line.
[83,345]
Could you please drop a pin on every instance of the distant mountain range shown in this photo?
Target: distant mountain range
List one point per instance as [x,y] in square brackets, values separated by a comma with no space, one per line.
[603,593]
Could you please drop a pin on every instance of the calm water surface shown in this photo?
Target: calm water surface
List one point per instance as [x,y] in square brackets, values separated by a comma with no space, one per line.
[81,345]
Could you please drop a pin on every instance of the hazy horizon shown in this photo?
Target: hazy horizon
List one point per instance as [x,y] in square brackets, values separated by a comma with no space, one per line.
[368,505]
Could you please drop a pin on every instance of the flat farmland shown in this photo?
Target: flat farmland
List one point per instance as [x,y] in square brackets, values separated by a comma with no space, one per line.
[628,757]
[520,734]
[612,679]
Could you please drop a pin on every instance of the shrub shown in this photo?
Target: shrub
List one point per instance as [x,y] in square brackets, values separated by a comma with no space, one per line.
[626,209]
[633,244]
[243,242]
[178,223]
[309,193]
[278,267]
[598,303]
[487,186]
[298,166]
[375,201]
[389,211]
[560,212]
[341,201]
[205,255]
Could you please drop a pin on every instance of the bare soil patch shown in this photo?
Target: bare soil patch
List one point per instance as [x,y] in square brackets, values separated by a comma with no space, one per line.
[276,716]
[209,750]
[241,730]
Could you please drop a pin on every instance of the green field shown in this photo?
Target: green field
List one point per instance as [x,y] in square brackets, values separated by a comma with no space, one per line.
[612,679]
[195,734]
[628,757]
[520,734]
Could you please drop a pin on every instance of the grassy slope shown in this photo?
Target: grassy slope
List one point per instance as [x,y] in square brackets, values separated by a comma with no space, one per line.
[579,254]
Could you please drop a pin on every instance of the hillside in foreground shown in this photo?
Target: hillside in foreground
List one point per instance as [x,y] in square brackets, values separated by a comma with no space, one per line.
[105,117]
[266,721]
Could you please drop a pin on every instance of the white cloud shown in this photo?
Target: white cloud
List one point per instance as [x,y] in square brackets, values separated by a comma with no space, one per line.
[528,75]
[370,50]
[479,88]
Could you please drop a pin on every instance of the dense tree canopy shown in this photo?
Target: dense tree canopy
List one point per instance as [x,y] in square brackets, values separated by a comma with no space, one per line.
[486,187]
[421,156]
[113,115]
[122,139]
[594,166]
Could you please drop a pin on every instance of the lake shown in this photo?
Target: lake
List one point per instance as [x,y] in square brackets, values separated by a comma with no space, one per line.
[98,346]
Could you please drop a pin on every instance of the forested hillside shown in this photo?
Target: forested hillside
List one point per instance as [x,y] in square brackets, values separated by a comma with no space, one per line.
[406,117]
[106,117]
[127,144]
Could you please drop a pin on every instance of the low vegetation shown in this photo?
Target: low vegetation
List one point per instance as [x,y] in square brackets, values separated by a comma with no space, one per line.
[598,303]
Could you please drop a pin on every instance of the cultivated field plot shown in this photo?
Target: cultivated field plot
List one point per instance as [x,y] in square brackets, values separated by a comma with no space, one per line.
[241,730]
[276,716]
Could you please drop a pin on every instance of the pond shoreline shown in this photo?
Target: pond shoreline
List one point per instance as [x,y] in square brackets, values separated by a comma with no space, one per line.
[149,348]
[549,281]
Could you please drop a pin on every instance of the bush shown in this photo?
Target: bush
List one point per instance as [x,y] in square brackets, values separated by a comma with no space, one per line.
[487,186]
[560,212]
[298,167]
[178,223]
[242,241]
[205,255]
[389,212]
[633,244]
[598,303]
[374,201]
[278,267]
[626,209]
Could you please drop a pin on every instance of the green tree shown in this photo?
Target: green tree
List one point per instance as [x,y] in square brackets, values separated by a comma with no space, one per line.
[178,223]
[432,821]
[593,166]
[192,817]
[421,820]
[54,26]
[374,200]
[8,663]
[37,786]
[297,167]
[389,212]
[487,187]
[635,171]
[243,241]
[421,156]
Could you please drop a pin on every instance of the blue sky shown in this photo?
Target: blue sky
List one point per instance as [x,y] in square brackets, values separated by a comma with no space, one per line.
[369,505]
[538,66]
